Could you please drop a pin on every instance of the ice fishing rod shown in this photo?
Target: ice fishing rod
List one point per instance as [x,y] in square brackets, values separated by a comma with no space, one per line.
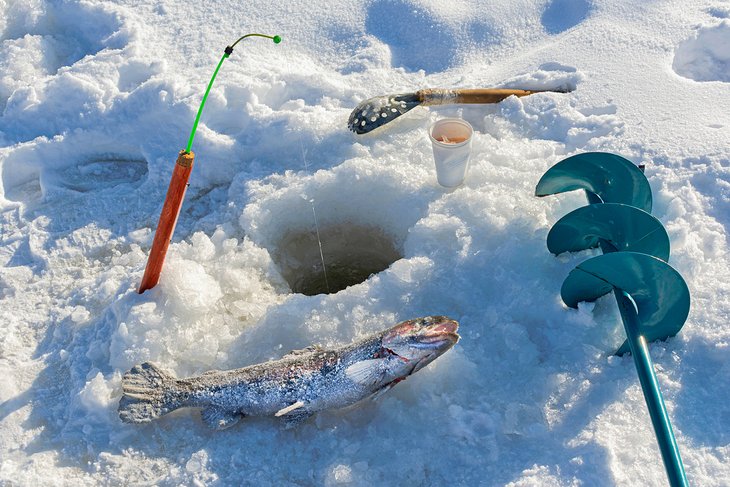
[178,185]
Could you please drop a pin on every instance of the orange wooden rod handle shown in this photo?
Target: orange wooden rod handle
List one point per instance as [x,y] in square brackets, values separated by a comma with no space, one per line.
[168,219]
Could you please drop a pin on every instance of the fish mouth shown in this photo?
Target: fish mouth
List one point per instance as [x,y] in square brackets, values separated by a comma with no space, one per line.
[435,340]
[445,330]
[437,333]
[431,331]
[441,333]
[420,341]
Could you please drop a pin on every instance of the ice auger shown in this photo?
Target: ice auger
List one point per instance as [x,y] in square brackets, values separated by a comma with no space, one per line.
[652,297]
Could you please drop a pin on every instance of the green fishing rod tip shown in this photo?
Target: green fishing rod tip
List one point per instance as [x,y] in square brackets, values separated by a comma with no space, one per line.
[276,39]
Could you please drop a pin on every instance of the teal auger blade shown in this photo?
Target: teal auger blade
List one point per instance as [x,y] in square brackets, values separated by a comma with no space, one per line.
[659,292]
[624,227]
[611,177]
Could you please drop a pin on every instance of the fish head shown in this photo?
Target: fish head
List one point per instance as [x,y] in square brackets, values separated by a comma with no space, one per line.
[418,342]
[401,351]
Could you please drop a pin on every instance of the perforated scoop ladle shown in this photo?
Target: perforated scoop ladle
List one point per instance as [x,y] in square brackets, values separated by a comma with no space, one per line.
[376,112]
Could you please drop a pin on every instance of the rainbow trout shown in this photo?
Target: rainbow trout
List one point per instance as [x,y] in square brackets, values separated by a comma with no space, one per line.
[295,386]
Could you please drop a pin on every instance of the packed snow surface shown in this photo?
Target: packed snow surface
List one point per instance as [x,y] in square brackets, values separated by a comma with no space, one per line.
[97,98]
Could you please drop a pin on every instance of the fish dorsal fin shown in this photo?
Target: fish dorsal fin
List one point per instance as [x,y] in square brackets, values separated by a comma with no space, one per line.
[219,418]
[366,372]
[290,408]
[303,351]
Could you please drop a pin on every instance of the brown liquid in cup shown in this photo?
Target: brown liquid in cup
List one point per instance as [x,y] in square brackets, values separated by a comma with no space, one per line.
[451,140]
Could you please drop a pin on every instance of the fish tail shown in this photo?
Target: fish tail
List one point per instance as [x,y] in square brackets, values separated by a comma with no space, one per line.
[149,392]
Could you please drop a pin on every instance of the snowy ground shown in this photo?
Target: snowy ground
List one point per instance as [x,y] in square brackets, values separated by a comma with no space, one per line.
[98,97]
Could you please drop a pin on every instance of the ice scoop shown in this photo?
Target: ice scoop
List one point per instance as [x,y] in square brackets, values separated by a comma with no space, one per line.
[378,111]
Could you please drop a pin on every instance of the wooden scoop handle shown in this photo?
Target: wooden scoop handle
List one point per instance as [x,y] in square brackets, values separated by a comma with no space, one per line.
[435,96]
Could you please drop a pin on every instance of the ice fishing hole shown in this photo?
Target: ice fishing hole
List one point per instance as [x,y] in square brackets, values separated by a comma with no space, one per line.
[352,253]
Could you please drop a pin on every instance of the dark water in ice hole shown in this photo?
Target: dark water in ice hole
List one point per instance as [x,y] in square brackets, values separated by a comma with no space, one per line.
[352,253]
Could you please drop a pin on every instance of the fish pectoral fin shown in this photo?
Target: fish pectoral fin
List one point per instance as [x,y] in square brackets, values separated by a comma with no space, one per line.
[379,393]
[289,409]
[366,372]
[296,417]
[385,388]
[219,418]
[293,414]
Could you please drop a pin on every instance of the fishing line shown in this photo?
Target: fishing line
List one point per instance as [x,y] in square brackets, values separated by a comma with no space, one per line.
[314,213]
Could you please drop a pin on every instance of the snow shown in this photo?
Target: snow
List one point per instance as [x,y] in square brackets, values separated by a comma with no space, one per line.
[705,57]
[97,98]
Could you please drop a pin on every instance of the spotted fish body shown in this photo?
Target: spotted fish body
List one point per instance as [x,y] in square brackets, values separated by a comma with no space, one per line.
[295,386]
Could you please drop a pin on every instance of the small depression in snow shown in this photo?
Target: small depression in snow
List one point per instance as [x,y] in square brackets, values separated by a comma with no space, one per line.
[351,254]
[706,56]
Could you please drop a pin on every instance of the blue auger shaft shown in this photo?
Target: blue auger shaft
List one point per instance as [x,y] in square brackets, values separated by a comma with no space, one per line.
[647,378]
[652,393]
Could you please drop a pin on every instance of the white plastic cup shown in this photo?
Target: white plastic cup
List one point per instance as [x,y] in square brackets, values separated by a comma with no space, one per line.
[451,141]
